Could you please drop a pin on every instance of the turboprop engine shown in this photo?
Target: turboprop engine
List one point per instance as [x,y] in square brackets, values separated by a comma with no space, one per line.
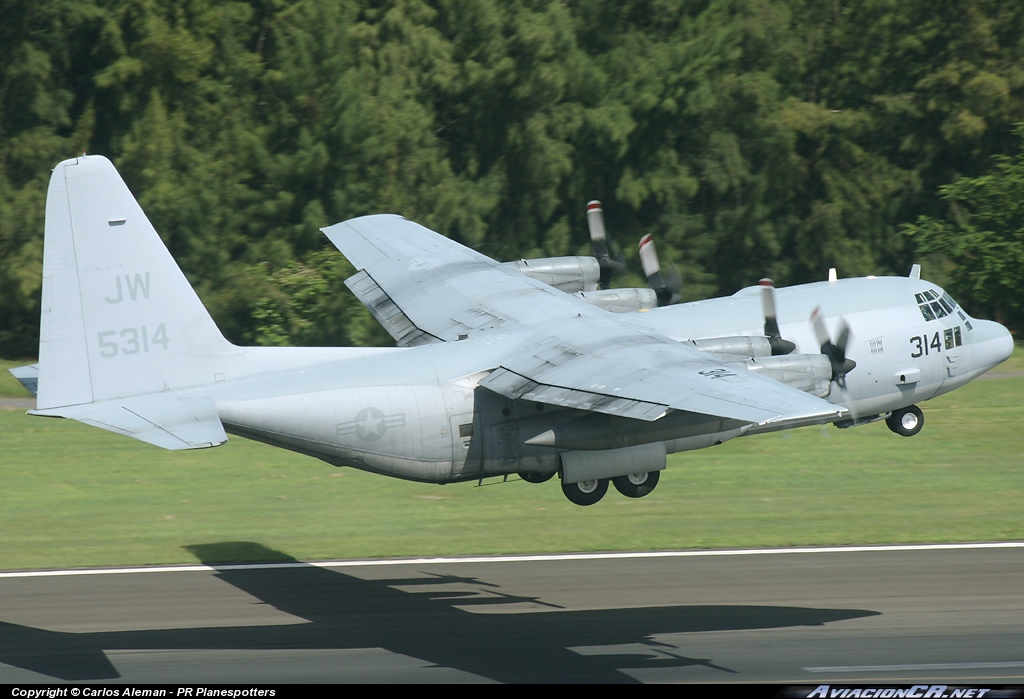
[568,274]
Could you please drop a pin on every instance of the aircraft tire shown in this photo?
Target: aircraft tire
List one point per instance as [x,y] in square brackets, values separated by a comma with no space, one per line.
[532,477]
[585,492]
[906,421]
[637,485]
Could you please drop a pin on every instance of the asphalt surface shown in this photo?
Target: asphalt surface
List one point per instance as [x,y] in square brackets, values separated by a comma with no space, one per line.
[887,616]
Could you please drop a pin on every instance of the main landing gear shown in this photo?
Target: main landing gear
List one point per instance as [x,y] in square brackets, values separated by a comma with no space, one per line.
[585,492]
[635,485]
[906,421]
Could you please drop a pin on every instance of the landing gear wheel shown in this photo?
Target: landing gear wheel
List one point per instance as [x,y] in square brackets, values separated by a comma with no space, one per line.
[585,492]
[531,477]
[637,485]
[906,421]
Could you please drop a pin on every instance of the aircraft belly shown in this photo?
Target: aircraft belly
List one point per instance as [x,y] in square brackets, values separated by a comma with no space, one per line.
[396,431]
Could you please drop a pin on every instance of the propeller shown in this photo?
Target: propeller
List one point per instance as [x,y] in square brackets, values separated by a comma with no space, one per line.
[836,352]
[771,320]
[599,245]
[667,291]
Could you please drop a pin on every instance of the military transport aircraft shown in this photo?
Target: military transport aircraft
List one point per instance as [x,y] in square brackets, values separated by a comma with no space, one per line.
[515,368]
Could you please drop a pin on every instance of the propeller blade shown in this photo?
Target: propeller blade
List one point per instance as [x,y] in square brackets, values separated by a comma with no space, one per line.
[836,352]
[595,222]
[649,256]
[674,282]
[819,327]
[844,337]
[599,245]
[771,320]
[652,270]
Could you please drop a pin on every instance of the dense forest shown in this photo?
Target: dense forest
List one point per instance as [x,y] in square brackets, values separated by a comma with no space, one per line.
[751,137]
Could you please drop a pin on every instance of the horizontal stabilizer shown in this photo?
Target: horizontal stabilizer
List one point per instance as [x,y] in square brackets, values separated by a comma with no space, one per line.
[28,375]
[163,419]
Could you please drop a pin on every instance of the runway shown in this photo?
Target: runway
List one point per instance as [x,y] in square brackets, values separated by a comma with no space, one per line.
[797,617]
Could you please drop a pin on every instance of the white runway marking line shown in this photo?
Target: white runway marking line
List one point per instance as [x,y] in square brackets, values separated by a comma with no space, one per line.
[512,559]
[900,668]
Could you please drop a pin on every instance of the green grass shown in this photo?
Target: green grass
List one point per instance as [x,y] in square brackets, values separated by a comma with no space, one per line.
[78,496]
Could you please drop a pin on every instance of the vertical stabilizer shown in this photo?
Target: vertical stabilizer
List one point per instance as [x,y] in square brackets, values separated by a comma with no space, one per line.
[118,318]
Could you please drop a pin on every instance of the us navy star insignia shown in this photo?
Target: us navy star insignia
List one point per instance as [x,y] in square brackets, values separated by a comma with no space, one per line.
[370,424]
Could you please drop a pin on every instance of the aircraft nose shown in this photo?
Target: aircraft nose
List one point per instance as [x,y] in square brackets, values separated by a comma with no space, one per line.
[992,344]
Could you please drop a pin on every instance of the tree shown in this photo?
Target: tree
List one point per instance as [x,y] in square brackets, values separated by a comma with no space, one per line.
[983,236]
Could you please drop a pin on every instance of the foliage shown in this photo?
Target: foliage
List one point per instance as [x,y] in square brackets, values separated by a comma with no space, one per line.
[984,234]
[752,137]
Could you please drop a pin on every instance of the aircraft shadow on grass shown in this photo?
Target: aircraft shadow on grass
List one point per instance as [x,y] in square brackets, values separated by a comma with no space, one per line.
[347,612]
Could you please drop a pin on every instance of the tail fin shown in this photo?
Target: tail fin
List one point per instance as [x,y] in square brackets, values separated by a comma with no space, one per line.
[121,328]
[119,318]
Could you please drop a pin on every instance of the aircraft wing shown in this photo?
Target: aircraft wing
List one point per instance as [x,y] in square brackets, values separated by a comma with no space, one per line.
[424,287]
[643,377]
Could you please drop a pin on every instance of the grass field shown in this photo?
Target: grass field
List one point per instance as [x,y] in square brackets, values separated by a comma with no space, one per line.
[78,496]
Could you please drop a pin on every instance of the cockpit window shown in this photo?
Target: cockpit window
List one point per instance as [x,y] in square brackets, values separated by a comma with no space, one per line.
[934,306]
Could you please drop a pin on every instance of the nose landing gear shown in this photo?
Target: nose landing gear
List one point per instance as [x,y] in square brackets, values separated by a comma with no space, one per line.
[906,421]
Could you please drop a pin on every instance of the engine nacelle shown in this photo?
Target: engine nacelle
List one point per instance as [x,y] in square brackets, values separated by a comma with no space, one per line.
[737,346]
[568,274]
[811,373]
[744,346]
[621,300]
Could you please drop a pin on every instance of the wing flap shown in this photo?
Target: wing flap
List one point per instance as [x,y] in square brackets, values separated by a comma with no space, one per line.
[515,386]
[387,312]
